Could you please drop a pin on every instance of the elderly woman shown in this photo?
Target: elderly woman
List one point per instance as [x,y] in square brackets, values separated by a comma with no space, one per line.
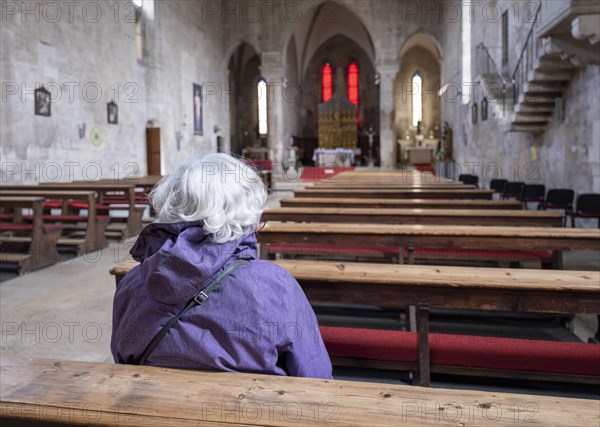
[200,298]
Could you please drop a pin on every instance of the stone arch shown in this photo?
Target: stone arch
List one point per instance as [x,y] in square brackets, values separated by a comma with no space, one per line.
[243,73]
[420,53]
[322,21]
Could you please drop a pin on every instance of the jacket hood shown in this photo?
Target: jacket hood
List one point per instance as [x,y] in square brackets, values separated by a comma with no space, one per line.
[178,259]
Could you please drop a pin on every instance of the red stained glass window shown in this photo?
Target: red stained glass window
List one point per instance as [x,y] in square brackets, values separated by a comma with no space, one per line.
[326,82]
[353,83]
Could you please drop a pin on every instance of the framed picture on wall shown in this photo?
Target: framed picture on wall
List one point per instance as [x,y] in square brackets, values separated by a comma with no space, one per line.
[112,111]
[198,109]
[484,109]
[43,102]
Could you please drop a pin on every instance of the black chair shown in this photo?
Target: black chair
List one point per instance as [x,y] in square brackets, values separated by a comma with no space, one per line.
[512,189]
[469,180]
[588,206]
[498,185]
[559,198]
[532,193]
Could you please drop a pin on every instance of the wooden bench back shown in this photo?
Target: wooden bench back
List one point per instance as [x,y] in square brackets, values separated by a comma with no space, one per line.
[400,203]
[395,194]
[417,216]
[56,391]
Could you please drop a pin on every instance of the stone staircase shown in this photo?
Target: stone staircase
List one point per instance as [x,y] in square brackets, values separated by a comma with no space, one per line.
[540,92]
[547,64]
[552,54]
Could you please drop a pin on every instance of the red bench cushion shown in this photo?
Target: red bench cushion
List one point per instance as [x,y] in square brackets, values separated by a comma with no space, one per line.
[466,351]
[441,253]
[27,227]
[52,205]
[266,165]
[372,344]
[499,254]
[330,249]
[65,217]
[425,167]
[587,214]
[77,205]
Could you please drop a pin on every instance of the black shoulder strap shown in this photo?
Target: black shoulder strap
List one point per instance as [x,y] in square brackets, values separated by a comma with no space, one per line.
[199,299]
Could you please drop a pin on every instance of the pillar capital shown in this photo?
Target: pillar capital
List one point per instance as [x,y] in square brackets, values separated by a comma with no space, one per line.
[271,66]
[387,70]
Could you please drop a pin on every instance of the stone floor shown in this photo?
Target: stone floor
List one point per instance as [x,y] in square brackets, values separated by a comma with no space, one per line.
[64,312]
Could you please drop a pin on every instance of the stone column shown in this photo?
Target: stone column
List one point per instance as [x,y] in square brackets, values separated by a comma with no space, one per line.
[387,144]
[273,73]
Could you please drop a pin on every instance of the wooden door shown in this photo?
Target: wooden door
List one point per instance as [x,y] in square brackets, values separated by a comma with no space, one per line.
[153,150]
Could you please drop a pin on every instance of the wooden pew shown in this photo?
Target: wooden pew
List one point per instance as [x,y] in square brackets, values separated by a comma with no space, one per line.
[122,268]
[293,236]
[95,225]
[318,202]
[52,392]
[456,288]
[390,186]
[30,246]
[417,216]
[394,194]
[144,184]
[133,222]
[362,175]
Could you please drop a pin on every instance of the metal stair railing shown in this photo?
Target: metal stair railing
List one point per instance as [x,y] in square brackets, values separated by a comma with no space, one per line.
[485,64]
[529,54]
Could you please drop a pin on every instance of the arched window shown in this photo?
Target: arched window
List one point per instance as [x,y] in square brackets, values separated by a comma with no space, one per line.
[417,104]
[262,107]
[466,53]
[144,10]
[326,82]
[353,83]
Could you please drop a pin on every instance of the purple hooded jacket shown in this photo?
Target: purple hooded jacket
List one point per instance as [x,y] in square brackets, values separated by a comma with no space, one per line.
[257,320]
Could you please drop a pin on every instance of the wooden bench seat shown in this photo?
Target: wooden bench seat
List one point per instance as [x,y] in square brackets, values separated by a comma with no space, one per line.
[25,247]
[60,392]
[19,261]
[320,202]
[466,355]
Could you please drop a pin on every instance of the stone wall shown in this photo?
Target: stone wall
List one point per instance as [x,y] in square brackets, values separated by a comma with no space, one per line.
[566,155]
[192,42]
[85,56]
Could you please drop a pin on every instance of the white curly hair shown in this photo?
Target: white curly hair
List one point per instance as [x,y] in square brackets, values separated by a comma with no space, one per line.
[223,192]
